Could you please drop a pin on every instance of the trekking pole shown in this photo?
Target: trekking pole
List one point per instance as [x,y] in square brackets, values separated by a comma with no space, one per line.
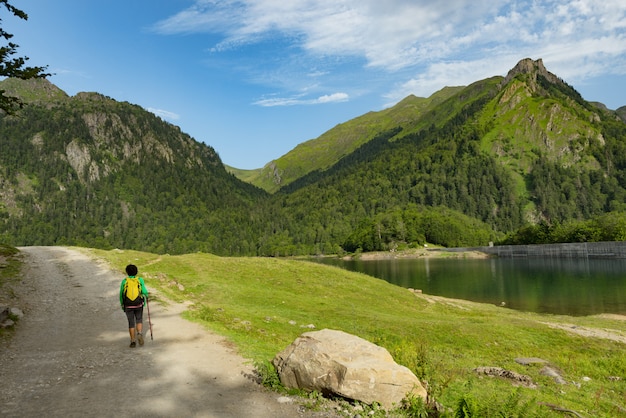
[149,321]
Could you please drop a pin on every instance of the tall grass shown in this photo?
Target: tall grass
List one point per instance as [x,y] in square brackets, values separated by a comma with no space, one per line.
[263,304]
[10,266]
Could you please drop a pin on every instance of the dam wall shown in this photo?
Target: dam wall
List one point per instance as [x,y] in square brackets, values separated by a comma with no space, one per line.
[608,249]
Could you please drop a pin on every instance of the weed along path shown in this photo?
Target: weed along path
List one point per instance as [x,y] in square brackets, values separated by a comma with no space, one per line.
[69,354]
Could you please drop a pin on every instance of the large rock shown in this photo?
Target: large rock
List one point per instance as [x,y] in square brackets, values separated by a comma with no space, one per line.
[336,363]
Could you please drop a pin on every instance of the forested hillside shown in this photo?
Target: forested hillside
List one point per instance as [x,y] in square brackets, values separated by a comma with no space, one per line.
[523,158]
[88,170]
[507,152]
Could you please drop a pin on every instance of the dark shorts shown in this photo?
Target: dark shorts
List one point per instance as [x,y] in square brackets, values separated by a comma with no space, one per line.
[134,316]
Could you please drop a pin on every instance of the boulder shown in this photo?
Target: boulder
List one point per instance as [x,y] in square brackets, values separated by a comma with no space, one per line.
[337,363]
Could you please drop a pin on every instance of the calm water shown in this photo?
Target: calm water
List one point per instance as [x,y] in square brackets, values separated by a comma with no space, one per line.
[559,286]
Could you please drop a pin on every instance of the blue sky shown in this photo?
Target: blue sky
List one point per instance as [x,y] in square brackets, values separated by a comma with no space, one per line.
[255,78]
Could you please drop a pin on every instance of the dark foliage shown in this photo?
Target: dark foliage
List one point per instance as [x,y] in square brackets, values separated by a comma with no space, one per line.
[607,227]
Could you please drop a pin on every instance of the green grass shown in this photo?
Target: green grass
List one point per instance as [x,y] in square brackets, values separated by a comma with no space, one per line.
[10,265]
[263,304]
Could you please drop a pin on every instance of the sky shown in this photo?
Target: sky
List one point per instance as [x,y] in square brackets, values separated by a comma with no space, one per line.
[255,78]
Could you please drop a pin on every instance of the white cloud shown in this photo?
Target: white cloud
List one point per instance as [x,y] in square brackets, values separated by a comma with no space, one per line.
[335,97]
[164,114]
[291,101]
[431,44]
[448,74]
[389,34]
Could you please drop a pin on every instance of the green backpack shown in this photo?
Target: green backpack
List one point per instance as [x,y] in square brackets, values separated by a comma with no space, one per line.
[132,292]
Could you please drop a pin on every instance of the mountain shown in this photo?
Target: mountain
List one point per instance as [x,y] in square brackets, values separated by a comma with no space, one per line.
[466,166]
[88,169]
[411,114]
[508,151]
[326,150]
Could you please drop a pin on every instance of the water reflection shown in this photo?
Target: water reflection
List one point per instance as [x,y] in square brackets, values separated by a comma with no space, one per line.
[548,285]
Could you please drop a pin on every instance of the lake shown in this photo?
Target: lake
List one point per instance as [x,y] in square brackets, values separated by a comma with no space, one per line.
[564,286]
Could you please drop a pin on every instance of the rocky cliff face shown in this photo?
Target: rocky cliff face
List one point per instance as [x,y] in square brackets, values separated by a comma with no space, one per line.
[621,112]
[532,118]
[532,68]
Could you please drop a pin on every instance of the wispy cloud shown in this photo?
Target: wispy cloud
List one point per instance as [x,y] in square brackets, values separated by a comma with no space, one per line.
[431,44]
[164,114]
[291,101]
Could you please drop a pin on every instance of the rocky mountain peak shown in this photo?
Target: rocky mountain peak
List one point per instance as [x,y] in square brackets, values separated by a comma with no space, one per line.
[533,68]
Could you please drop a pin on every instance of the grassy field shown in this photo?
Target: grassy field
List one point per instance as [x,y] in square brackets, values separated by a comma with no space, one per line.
[263,304]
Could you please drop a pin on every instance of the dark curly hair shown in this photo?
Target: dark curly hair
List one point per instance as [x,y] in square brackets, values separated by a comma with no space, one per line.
[131,270]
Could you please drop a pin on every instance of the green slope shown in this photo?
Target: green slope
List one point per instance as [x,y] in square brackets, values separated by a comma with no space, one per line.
[537,118]
[33,90]
[326,150]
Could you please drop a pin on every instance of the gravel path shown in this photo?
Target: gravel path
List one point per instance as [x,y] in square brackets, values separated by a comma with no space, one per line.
[69,356]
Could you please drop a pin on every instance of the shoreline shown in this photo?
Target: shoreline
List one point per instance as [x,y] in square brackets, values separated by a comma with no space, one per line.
[417,253]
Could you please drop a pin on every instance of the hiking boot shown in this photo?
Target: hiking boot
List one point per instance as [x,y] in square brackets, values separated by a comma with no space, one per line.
[133,344]
[140,338]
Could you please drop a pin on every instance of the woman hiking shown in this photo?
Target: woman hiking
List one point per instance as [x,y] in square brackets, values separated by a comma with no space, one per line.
[133,292]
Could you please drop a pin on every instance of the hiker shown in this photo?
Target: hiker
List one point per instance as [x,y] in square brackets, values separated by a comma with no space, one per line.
[133,292]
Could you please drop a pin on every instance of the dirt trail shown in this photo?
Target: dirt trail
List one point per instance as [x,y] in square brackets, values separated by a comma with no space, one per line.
[70,357]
